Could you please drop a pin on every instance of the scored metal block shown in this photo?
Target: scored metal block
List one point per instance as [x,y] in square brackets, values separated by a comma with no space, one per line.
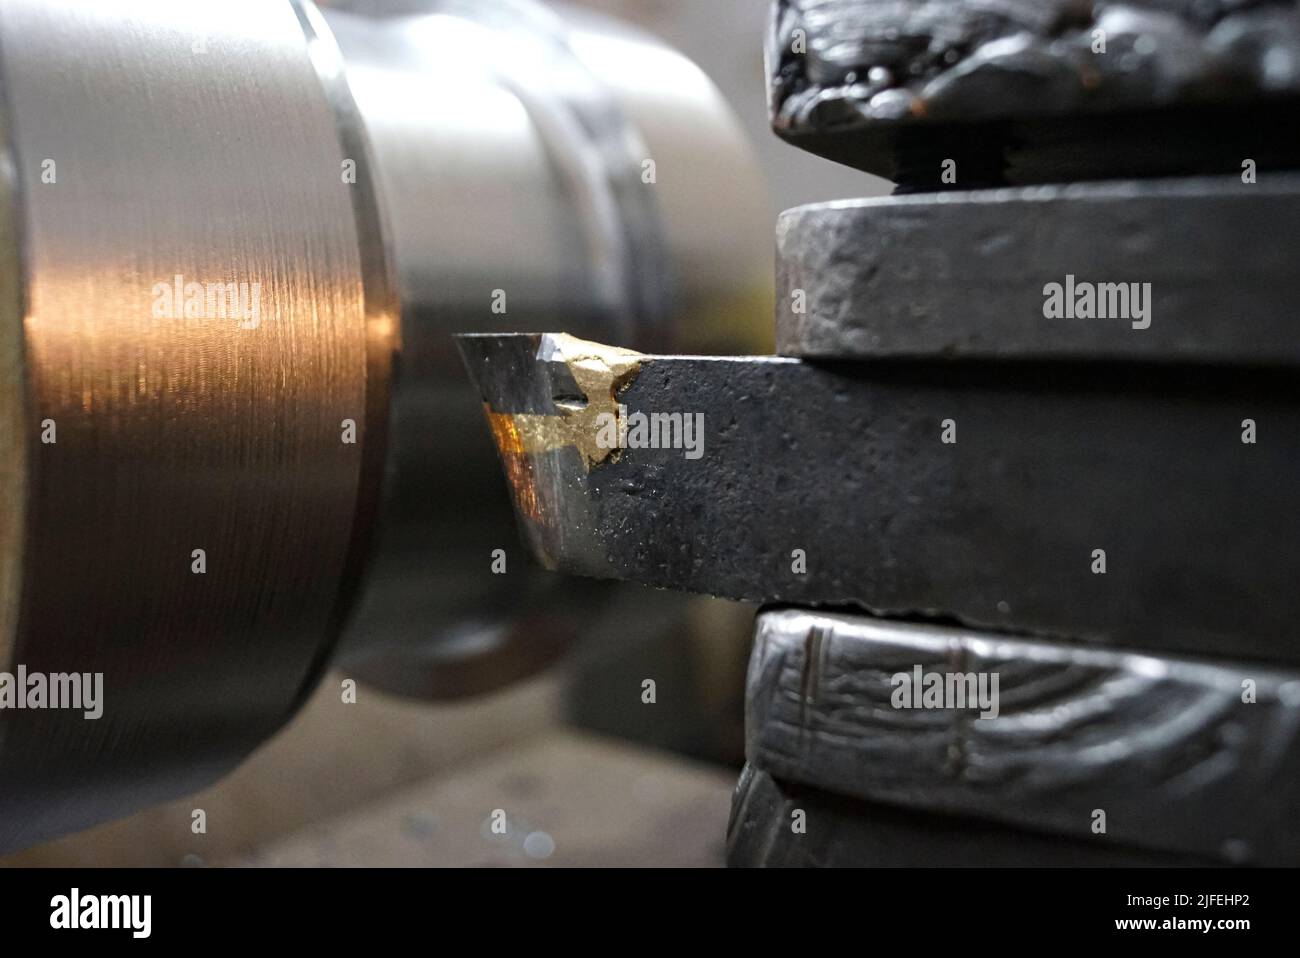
[1197,271]
[1117,504]
[1025,91]
[777,824]
[1199,758]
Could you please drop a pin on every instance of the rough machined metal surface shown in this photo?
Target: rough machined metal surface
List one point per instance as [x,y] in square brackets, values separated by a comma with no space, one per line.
[962,275]
[1195,758]
[862,80]
[849,833]
[1072,501]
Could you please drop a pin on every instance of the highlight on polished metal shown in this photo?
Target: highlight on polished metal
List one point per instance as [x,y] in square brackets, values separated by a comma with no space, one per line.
[236,238]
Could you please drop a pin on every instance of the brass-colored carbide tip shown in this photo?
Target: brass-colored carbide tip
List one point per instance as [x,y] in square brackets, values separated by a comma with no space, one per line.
[589,424]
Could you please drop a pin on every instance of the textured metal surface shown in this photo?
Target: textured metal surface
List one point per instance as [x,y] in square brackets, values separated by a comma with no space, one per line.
[840,832]
[848,464]
[963,275]
[1195,758]
[1024,90]
[183,432]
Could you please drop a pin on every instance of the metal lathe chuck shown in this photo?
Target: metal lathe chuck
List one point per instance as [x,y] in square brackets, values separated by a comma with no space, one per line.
[235,237]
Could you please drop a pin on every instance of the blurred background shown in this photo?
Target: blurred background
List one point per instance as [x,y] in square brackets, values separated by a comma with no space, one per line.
[585,771]
[725,38]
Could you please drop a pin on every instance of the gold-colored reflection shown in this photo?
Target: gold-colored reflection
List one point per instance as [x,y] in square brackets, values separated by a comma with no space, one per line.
[205,315]
[600,372]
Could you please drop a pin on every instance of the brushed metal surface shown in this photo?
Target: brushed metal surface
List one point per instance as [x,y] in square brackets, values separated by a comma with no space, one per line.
[193,140]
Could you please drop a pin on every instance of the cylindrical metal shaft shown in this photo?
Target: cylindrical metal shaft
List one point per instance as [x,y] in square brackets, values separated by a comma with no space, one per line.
[541,169]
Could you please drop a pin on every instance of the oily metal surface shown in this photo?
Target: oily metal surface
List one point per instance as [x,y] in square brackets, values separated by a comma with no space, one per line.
[1036,90]
[1191,757]
[964,275]
[833,485]
[175,430]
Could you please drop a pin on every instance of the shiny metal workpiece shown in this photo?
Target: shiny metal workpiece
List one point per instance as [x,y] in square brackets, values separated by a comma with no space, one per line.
[515,146]
[236,236]
[200,319]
